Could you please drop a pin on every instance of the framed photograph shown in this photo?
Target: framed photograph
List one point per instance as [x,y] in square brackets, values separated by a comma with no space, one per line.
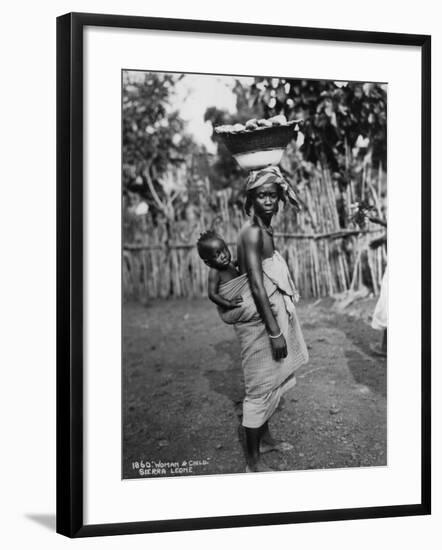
[232,349]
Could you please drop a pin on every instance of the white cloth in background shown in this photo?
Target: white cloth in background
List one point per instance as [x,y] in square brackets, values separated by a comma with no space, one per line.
[380,315]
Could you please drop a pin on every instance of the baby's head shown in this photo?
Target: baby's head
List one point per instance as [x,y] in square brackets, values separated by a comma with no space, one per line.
[213,250]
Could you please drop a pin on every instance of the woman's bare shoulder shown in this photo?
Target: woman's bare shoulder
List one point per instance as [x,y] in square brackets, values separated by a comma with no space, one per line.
[250,233]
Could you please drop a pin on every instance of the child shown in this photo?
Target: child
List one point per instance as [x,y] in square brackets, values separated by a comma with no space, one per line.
[214,253]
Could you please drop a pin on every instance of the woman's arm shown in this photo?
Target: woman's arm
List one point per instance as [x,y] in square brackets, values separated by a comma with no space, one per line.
[374,219]
[253,261]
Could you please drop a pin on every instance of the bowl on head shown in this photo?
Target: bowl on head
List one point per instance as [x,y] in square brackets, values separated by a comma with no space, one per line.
[260,147]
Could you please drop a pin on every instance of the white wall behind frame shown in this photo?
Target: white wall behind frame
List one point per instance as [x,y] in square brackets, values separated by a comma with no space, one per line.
[106,52]
[28,291]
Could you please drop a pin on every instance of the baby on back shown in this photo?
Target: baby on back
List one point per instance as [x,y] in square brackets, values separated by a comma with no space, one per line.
[214,252]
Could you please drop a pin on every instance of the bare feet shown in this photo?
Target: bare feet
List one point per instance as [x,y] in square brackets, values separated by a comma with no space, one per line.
[258,466]
[280,446]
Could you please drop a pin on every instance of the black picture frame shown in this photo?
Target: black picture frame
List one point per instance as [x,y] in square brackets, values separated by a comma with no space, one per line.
[70,272]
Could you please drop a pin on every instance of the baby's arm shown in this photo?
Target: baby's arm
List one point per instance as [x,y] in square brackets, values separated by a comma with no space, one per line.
[214,281]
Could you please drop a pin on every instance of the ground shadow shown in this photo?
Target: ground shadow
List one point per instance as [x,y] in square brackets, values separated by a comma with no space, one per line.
[47,520]
[371,372]
[229,381]
[366,367]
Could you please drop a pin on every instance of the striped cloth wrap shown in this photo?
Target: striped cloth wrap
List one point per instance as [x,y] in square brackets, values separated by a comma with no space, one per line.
[262,373]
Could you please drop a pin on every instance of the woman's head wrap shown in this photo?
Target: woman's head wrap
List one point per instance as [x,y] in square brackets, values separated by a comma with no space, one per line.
[272,174]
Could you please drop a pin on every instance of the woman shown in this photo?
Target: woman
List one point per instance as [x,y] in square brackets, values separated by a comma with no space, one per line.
[272,346]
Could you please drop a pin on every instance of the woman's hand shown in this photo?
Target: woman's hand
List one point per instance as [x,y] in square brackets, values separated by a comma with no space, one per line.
[279,347]
[376,243]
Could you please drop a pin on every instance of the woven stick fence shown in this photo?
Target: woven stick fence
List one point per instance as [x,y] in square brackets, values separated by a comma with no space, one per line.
[323,257]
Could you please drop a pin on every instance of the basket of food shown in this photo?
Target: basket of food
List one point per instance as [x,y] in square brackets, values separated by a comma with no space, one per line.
[258,143]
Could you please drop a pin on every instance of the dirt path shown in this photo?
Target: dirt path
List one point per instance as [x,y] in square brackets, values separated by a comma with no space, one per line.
[183,394]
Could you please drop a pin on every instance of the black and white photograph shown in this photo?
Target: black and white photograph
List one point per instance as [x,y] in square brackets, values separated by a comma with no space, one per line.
[221,275]
[254,274]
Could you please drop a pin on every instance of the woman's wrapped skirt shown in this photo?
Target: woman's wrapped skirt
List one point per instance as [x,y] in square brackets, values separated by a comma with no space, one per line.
[265,378]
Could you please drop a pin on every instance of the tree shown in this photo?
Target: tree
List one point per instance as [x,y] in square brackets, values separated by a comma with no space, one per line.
[225,171]
[156,148]
[343,123]
[337,116]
